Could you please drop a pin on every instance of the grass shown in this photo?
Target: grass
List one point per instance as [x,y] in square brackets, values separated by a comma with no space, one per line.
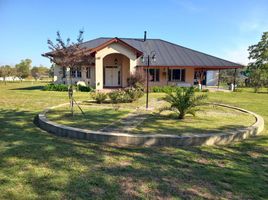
[95,118]
[211,119]
[37,165]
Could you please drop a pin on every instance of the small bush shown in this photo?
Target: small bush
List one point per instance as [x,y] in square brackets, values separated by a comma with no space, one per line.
[117,96]
[83,88]
[164,89]
[99,97]
[205,90]
[55,87]
[125,96]
[196,89]
[184,101]
[136,80]
[134,94]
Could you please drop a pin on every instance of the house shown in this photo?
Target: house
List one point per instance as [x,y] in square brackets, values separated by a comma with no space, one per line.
[116,58]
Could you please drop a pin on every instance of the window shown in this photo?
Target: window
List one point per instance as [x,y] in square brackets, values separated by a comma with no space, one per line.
[153,75]
[88,72]
[176,75]
[73,73]
[78,73]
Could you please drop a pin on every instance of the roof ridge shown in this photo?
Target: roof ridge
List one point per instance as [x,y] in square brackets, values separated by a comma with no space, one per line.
[199,52]
[128,38]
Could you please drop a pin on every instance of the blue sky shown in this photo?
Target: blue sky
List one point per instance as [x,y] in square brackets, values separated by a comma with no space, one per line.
[221,28]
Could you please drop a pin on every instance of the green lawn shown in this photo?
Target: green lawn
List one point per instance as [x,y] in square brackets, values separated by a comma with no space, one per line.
[37,165]
[94,118]
[211,119]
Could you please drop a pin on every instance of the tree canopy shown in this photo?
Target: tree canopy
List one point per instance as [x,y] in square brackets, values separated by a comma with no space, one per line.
[258,67]
[68,54]
[23,68]
[39,72]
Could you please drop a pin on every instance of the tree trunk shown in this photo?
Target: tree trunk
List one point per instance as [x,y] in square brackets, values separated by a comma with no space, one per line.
[70,91]
[181,115]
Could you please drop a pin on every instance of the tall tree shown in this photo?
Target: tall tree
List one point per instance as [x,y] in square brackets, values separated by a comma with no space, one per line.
[70,55]
[23,68]
[258,67]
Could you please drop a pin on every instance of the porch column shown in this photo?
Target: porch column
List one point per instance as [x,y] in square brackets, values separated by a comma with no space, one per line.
[132,66]
[98,72]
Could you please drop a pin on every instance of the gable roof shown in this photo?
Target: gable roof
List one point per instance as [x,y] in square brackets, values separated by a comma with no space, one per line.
[115,40]
[167,53]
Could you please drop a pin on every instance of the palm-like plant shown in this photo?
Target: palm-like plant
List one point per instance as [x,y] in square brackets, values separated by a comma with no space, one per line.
[183,101]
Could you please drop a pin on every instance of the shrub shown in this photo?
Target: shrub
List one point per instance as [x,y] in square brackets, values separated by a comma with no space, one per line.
[83,88]
[134,94]
[125,96]
[184,101]
[99,97]
[164,89]
[205,90]
[136,80]
[196,89]
[55,87]
[117,96]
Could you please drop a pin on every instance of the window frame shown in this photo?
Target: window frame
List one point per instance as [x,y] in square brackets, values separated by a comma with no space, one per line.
[182,75]
[79,72]
[73,73]
[155,75]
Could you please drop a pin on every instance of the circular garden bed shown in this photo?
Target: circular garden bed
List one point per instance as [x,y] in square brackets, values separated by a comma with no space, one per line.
[211,119]
[129,125]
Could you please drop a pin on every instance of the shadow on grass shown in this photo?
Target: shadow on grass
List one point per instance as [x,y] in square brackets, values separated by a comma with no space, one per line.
[51,167]
[37,87]
[93,119]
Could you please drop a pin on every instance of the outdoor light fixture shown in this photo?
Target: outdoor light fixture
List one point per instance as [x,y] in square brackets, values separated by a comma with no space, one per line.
[115,61]
[142,59]
[149,57]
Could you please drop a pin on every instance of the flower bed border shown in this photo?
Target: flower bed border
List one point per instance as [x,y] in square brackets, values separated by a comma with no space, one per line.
[126,139]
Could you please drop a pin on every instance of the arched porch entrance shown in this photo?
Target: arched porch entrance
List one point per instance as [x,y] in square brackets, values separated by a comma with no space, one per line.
[116,70]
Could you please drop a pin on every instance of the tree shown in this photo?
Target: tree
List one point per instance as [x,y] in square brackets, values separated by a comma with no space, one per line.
[23,68]
[5,71]
[38,72]
[184,101]
[70,55]
[258,68]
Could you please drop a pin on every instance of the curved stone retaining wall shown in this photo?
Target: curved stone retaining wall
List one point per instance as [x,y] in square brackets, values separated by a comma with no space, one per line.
[152,139]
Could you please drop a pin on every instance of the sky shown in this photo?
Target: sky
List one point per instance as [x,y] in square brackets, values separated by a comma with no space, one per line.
[221,28]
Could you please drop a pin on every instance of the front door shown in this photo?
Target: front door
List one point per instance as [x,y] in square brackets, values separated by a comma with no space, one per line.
[112,76]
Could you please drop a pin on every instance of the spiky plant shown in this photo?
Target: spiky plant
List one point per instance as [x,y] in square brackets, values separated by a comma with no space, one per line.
[183,101]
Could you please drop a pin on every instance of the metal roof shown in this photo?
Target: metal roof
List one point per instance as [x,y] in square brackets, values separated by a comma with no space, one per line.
[169,54]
